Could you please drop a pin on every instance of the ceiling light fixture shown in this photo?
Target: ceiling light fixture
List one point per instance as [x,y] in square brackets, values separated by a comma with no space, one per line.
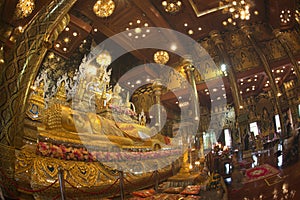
[104,58]
[173,47]
[137,31]
[24,8]
[104,8]
[161,57]
[279,94]
[285,16]
[190,32]
[238,9]
[171,6]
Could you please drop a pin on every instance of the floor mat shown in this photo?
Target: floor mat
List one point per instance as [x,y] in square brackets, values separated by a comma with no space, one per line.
[260,172]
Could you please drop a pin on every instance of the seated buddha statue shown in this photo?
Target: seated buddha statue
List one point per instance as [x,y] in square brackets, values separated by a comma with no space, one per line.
[116,98]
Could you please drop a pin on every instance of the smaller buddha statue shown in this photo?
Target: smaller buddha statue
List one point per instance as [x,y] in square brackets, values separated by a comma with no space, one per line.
[61,96]
[116,98]
[142,118]
[40,90]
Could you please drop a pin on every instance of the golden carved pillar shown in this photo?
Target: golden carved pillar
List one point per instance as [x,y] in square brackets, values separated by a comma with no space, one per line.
[241,122]
[291,103]
[274,87]
[22,65]
[190,73]
[218,41]
[288,51]
[18,73]
[189,70]
[157,88]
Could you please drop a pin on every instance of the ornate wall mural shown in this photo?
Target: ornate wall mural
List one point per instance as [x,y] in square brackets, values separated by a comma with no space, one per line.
[261,110]
[174,80]
[235,39]
[251,107]
[266,113]
[244,58]
[293,40]
[209,71]
[272,49]
[207,44]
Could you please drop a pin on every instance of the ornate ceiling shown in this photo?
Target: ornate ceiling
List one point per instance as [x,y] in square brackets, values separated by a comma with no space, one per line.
[197,19]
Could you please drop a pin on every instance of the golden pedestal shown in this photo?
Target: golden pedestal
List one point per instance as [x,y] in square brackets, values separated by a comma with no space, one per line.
[184,177]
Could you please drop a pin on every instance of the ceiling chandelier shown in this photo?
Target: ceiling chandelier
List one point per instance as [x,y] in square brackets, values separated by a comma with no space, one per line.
[171,6]
[285,16]
[24,8]
[161,57]
[238,9]
[104,8]
[104,58]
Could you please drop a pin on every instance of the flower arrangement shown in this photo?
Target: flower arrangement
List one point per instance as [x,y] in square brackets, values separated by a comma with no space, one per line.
[122,110]
[82,154]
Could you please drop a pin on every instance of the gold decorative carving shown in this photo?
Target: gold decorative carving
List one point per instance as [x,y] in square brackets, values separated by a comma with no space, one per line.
[17,76]
[88,176]
[42,170]
[36,103]
[7,162]
[7,158]
[51,37]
